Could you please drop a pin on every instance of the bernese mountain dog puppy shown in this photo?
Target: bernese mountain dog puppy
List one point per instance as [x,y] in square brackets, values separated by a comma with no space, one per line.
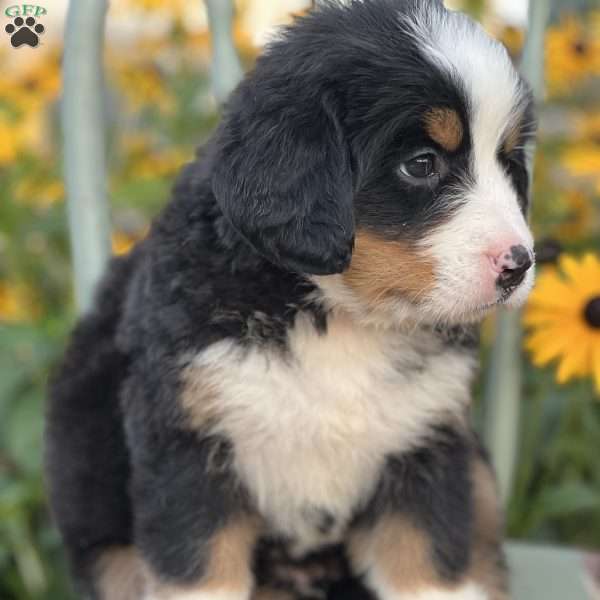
[270,398]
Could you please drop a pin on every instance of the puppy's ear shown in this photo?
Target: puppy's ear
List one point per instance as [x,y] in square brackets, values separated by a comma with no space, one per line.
[282,178]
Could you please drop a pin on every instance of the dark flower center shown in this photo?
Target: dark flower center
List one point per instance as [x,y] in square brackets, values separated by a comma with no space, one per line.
[547,251]
[580,47]
[592,312]
[31,84]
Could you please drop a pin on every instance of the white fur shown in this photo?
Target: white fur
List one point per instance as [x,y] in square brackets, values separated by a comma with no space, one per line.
[468,591]
[201,595]
[490,220]
[311,430]
[461,47]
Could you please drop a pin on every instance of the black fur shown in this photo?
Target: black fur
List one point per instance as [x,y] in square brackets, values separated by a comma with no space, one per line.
[183,491]
[289,196]
[515,161]
[87,462]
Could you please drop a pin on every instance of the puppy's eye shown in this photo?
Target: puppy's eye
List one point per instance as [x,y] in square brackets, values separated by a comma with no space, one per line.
[421,167]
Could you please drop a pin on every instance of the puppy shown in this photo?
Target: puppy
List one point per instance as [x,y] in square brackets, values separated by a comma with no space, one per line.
[270,397]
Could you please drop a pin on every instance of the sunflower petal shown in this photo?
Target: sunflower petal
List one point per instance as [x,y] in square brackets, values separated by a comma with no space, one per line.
[574,363]
[546,345]
[596,365]
[570,266]
[536,317]
[551,292]
[588,283]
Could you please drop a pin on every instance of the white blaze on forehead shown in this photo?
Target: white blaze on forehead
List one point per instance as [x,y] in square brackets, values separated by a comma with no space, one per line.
[460,47]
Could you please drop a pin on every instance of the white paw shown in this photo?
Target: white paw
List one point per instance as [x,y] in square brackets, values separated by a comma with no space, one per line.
[469,591]
[199,595]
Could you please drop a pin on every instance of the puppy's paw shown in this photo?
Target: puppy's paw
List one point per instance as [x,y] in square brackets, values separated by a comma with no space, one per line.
[208,594]
[469,591]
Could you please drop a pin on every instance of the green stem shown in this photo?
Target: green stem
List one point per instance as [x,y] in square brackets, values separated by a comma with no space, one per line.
[27,558]
[502,398]
[503,390]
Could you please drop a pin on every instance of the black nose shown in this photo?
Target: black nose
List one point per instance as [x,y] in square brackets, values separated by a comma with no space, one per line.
[514,274]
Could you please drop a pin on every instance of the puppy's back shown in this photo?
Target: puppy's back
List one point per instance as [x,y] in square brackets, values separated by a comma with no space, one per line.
[86,458]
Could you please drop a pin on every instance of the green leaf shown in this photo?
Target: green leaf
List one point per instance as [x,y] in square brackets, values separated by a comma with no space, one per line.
[568,499]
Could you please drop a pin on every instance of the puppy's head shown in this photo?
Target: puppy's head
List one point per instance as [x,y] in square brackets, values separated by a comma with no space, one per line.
[379,145]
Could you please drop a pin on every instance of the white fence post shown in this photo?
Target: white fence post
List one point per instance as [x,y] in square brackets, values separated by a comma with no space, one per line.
[504,377]
[226,70]
[84,145]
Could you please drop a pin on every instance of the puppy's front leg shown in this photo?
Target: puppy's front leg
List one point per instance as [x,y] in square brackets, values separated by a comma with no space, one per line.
[226,573]
[433,531]
[192,525]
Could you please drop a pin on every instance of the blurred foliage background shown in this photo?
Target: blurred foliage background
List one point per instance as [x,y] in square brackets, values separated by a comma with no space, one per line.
[159,108]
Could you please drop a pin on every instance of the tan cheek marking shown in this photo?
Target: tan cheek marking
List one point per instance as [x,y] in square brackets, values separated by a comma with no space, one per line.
[444,126]
[400,552]
[120,574]
[229,565]
[381,268]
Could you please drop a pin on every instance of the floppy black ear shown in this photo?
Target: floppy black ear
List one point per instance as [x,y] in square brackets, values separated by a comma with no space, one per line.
[282,177]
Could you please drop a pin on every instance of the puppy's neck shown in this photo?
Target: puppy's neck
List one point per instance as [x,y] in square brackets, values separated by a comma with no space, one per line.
[393,313]
[395,316]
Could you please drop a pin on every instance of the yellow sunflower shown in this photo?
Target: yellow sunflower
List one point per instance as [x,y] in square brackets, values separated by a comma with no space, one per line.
[144,158]
[582,160]
[122,242]
[513,38]
[563,315]
[579,215]
[143,84]
[32,86]
[41,192]
[587,126]
[18,135]
[17,303]
[572,55]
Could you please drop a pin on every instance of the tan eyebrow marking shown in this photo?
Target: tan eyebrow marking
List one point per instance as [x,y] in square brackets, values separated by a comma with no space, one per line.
[444,126]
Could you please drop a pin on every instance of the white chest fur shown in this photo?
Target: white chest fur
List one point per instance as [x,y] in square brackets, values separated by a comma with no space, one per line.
[311,428]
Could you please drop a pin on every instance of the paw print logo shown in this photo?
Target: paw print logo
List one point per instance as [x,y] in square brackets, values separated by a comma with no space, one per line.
[24,31]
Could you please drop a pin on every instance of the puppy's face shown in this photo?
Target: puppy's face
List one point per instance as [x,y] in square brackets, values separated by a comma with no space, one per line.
[414,151]
[440,211]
